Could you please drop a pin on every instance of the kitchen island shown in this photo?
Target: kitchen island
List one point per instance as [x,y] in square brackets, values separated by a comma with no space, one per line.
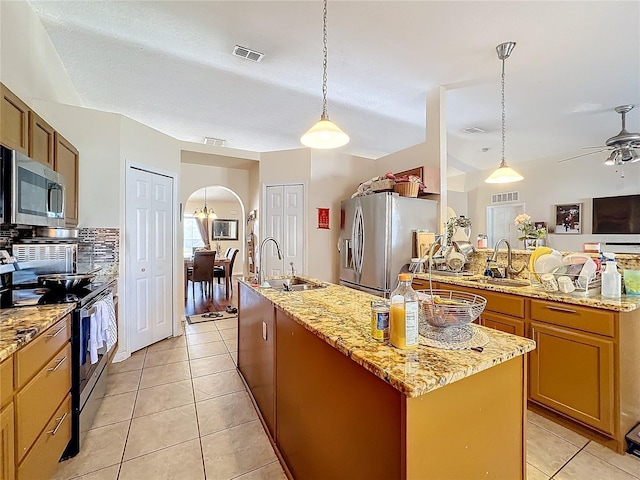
[338,404]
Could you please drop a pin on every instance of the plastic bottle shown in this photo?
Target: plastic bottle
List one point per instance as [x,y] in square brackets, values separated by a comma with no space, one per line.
[403,321]
[611,278]
[487,270]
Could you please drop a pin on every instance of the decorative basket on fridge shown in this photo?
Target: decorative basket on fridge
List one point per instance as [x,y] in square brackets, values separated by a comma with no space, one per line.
[407,189]
[444,315]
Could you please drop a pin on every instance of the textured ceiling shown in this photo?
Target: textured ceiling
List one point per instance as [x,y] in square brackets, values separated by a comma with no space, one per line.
[169,65]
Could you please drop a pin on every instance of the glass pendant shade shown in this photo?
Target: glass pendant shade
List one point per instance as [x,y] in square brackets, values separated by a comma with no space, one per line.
[504,174]
[324,135]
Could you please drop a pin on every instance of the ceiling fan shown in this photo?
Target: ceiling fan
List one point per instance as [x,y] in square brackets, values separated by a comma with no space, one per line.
[624,147]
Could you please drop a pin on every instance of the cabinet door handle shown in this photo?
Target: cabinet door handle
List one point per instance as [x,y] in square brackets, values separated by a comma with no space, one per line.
[558,309]
[533,333]
[58,363]
[51,335]
[264,330]
[60,420]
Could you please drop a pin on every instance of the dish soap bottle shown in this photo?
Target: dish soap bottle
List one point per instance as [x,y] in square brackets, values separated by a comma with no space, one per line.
[403,321]
[611,278]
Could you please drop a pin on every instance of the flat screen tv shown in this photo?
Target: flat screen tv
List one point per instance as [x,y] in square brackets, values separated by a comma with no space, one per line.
[620,215]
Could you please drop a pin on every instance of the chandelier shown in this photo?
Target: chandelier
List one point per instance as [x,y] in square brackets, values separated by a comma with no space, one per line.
[205,212]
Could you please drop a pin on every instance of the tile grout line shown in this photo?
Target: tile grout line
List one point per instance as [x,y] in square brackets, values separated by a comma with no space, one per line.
[568,461]
[195,406]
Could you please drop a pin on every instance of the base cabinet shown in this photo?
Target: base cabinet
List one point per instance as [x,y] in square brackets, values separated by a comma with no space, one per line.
[572,372]
[7,443]
[335,419]
[256,351]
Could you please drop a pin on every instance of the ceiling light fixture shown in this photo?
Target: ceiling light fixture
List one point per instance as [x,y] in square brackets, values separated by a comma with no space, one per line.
[504,173]
[205,212]
[612,158]
[324,134]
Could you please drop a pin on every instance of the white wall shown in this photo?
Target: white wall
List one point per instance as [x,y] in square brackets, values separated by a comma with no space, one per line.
[30,66]
[334,177]
[547,183]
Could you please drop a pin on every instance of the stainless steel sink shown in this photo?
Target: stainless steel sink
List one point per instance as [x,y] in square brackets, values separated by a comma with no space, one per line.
[294,284]
[505,282]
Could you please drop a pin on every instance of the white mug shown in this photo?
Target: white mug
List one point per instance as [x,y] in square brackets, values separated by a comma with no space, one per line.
[549,282]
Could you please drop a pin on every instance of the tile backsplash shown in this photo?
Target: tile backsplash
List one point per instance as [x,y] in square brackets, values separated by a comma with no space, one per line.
[98,246]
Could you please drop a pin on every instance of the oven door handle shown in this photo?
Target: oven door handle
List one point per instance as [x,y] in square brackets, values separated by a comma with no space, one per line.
[88,312]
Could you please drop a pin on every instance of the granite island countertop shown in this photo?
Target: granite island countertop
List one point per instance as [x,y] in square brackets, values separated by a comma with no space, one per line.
[591,298]
[341,317]
[18,326]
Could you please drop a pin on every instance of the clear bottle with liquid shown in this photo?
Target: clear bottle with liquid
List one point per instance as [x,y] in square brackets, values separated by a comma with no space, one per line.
[403,321]
[611,278]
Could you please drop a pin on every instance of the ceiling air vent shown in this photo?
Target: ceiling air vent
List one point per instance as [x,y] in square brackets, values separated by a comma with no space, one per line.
[505,197]
[247,53]
[473,130]
[216,142]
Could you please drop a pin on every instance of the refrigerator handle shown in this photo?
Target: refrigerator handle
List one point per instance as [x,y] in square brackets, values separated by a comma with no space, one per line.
[358,240]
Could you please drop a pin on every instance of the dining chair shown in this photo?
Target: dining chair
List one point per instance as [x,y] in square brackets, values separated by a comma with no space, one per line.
[203,264]
[220,272]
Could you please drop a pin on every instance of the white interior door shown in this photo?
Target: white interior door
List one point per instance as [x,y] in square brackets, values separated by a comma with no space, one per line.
[284,220]
[150,257]
[500,223]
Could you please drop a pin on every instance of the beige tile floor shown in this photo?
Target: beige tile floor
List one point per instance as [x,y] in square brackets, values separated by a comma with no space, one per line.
[178,410]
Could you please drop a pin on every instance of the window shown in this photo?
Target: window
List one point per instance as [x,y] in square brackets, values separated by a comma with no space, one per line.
[192,238]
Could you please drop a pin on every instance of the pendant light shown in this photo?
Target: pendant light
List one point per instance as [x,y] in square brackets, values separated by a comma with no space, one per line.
[324,134]
[504,173]
[205,212]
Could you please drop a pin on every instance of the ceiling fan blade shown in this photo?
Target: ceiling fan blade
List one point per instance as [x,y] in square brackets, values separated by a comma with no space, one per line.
[582,155]
[597,146]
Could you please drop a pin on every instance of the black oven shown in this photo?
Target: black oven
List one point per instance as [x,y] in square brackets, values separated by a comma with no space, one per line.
[88,380]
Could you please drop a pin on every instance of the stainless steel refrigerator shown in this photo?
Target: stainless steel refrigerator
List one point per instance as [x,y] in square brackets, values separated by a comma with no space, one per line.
[376,238]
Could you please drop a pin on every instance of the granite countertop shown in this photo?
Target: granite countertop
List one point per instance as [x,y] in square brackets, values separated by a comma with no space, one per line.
[341,317]
[591,298]
[18,326]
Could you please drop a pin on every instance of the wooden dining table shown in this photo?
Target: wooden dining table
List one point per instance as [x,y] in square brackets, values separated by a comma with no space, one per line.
[219,262]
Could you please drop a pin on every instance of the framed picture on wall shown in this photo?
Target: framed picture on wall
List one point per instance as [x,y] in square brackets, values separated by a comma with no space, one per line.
[568,219]
[224,229]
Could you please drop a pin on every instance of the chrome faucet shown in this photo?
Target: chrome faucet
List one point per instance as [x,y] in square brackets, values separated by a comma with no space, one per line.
[508,270]
[260,273]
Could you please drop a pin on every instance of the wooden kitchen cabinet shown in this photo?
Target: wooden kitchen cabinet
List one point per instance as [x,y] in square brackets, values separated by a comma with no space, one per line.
[41,140]
[573,373]
[42,372]
[256,351]
[67,163]
[14,121]
[7,443]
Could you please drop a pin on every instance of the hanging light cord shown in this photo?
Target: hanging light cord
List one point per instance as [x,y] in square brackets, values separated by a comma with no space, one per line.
[324,63]
[503,115]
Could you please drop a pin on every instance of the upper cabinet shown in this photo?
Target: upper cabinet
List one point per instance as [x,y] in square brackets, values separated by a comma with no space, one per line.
[24,130]
[66,163]
[41,141]
[14,121]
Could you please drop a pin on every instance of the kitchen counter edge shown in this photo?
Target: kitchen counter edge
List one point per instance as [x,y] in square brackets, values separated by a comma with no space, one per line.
[341,317]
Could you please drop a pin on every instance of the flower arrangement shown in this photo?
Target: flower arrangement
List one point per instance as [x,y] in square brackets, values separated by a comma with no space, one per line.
[456,222]
[528,229]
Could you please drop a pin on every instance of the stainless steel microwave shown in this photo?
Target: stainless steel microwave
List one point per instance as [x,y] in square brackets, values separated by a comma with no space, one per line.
[30,192]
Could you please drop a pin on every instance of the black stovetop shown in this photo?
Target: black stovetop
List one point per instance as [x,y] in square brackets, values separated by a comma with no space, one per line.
[29,296]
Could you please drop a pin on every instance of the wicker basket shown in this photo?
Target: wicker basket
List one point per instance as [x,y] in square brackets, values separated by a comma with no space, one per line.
[382,185]
[407,189]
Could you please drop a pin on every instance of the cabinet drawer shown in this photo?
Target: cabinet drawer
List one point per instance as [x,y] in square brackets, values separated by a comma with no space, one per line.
[581,318]
[6,381]
[503,323]
[37,353]
[47,450]
[37,401]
